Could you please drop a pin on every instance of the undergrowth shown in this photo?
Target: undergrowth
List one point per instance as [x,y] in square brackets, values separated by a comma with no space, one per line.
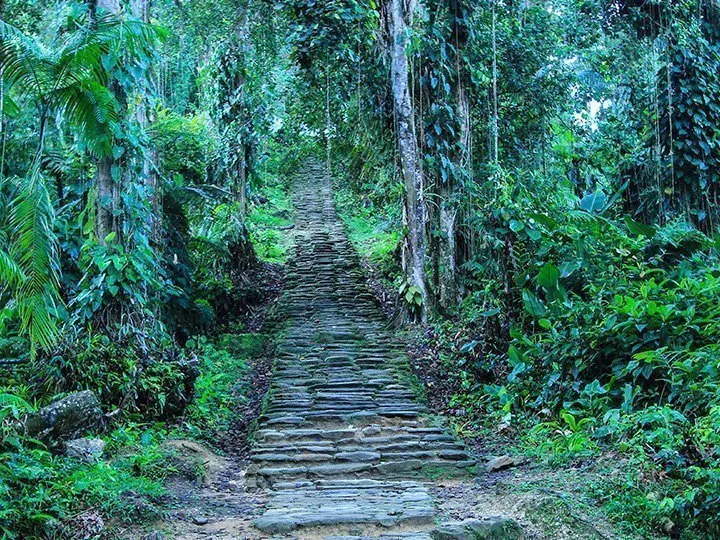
[373,230]
[611,359]
[268,221]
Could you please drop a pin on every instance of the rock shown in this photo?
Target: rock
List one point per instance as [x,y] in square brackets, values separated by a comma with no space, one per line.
[499,463]
[85,449]
[358,456]
[88,524]
[371,430]
[66,418]
[200,520]
[192,461]
[154,535]
[139,507]
[491,528]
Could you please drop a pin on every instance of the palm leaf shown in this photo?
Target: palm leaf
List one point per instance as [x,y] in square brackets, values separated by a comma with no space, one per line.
[10,272]
[34,251]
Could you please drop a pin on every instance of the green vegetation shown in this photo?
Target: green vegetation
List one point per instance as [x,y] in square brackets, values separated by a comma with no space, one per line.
[268,224]
[535,182]
[41,493]
[223,386]
[372,232]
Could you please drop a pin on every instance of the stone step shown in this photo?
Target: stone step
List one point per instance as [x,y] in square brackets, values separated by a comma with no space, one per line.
[343,441]
[334,504]
[271,474]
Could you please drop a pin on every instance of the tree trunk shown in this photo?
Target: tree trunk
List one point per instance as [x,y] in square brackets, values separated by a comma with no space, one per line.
[414,211]
[495,120]
[448,250]
[106,201]
[144,115]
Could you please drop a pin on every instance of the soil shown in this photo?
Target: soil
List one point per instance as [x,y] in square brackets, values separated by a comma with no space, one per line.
[214,504]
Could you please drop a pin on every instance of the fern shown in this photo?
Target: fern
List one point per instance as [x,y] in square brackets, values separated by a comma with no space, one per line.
[70,80]
[14,402]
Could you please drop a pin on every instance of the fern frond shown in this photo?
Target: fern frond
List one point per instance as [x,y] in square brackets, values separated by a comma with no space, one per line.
[11,400]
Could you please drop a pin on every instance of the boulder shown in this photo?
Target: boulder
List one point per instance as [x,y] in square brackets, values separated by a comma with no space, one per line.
[85,449]
[66,418]
[491,528]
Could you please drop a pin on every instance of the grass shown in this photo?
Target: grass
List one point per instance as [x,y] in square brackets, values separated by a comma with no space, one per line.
[223,385]
[43,494]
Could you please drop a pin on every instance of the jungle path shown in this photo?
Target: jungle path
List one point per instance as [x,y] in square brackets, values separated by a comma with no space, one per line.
[344,448]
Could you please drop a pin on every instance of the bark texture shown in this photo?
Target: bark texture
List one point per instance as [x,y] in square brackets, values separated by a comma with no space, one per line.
[144,115]
[399,13]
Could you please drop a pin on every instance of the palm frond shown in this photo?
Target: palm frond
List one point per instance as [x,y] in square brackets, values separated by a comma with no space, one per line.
[23,61]
[92,109]
[10,272]
[34,252]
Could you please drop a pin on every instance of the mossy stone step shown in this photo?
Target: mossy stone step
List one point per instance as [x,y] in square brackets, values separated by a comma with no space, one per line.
[343,441]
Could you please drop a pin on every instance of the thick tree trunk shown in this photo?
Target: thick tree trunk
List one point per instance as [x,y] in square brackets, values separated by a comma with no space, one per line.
[414,245]
[106,198]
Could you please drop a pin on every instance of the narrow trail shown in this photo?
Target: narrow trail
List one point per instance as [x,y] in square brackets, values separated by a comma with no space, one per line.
[344,448]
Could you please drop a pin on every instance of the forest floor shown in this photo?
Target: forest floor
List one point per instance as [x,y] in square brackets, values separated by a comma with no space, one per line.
[344,447]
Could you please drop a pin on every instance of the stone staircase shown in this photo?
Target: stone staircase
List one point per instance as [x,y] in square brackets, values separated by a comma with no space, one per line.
[344,445]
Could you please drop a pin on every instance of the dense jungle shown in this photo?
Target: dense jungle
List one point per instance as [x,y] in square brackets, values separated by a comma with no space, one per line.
[359,269]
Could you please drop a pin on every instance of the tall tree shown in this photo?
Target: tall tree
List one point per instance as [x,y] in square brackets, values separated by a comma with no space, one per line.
[450,185]
[399,18]
[107,193]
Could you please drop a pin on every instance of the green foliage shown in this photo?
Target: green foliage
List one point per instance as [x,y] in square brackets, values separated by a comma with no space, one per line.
[188,144]
[690,115]
[269,222]
[223,384]
[372,229]
[41,493]
[30,266]
[561,441]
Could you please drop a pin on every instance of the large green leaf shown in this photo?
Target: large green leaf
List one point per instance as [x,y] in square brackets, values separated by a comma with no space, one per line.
[639,229]
[593,203]
[548,276]
[533,304]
